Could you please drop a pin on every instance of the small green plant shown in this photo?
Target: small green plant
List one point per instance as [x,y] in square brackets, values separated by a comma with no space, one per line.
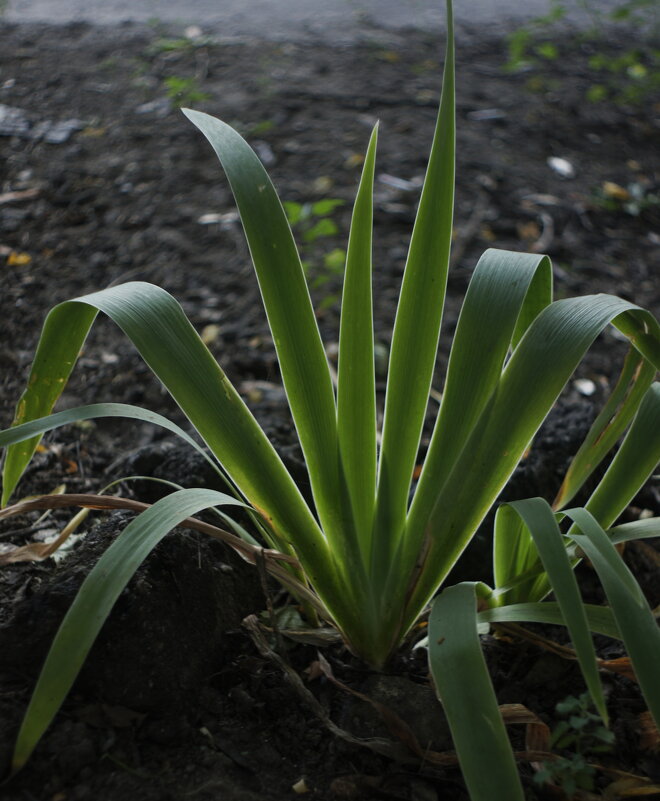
[634,199]
[365,558]
[184,91]
[167,44]
[583,733]
[313,222]
[260,128]
[631,76]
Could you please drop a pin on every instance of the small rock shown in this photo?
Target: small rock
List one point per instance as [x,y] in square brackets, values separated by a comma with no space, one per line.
[265,153]
[561,166]
[161,107]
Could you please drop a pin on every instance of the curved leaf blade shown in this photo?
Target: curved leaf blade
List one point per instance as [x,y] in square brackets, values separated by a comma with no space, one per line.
[21,432]
[635,379]
[93,604]
[170,346]
[599,618]
[542,526]
[60,342]
[505,288]
[639,629]
[531,382]
[514,554]
[637,530]
[633,463]
[305,370]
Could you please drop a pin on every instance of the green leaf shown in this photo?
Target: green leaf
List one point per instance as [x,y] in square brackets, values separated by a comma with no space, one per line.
[542,526]
[293,211]
[93,604]
[19,433]
[531,382]
[507,291]
[417,327]
[599,618]
[634,381]
[300,352]
[631,467]
[549,542]
[61,340]
[637,530]
[634,462]
[356,390]
[466,692]
[516,562]
[322,228]
[326,206]
[159,329]
[639,629]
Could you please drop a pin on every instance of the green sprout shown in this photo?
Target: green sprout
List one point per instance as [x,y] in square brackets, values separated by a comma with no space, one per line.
[583,733]
[313,222]
[632,76]
[184,91]
[365,558]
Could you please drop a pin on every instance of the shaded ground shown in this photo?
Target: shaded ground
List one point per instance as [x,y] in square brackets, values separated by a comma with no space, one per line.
[111,183]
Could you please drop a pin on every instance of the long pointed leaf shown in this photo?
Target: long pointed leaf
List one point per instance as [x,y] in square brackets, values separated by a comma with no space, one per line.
[300,352]
[21,432]
[60,342]
[166,340]
[515,558]
[549,542]
[356,392]
[633,463]
[599,618]
[504,288]
[93,604]
[637,530]
[417,326]
[466,692]
[631,467]
[635,379]
[638,627]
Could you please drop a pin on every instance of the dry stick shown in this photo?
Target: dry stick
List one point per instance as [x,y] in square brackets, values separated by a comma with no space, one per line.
[263,578]
[14,197]
[469,231]
[88,501]
[622,665]
[377,744]
[274,559]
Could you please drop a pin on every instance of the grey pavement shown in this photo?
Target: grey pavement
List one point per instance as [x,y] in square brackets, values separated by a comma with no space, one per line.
[292,19]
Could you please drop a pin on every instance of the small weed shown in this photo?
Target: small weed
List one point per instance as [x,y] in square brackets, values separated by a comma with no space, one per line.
[582,732]
[164,45]
[313,222]
[633,76]
[634,199]
[184,91]
[180,44]
[260,128]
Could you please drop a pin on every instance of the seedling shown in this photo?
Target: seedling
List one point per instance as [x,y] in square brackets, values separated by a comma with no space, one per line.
[583,733]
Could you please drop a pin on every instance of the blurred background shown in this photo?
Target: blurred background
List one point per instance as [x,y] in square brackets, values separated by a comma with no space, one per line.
[293,18]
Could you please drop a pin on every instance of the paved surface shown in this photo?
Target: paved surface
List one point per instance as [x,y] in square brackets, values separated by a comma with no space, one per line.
[289,19]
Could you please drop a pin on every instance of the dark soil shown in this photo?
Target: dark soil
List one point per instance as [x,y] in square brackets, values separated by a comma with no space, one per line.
[113,184]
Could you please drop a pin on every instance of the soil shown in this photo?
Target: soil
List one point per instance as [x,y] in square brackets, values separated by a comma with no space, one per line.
[113,184]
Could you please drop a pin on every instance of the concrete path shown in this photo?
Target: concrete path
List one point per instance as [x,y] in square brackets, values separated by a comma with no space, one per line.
[290,19]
